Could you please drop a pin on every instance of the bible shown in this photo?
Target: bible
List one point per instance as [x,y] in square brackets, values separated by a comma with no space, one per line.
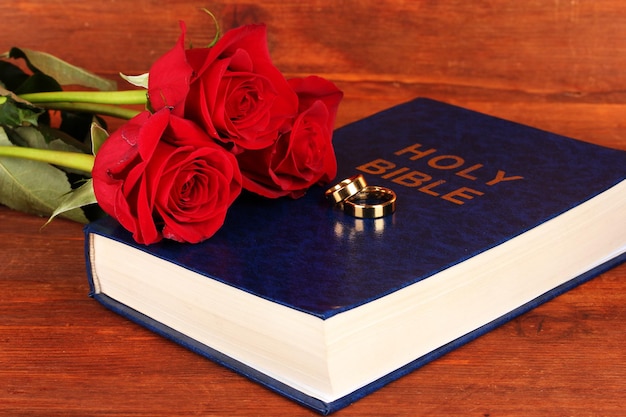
[492,219]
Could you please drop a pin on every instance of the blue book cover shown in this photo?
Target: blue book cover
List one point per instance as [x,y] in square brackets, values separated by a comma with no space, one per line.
[465,183]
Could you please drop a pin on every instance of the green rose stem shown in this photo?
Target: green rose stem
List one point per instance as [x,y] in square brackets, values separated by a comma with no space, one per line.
[96,97]
[97,102]
[94,108]
[74,160]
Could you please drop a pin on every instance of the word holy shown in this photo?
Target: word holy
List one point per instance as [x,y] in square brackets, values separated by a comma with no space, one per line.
[425,183]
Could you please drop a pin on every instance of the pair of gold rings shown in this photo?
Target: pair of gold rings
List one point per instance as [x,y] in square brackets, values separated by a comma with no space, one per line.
[358,199]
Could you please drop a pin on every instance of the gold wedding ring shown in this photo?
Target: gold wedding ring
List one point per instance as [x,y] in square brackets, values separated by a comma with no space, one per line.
[370,203]
[346,188]
[358,199]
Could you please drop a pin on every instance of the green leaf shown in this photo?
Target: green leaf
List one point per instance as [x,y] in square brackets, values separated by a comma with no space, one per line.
[15,113]
[38,82]
[33,187]
[82,196]
[33,137]
[11,76]
[98,136]
[51,135]
[136,80]
[63,72]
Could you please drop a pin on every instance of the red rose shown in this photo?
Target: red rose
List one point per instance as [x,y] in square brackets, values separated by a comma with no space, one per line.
[235,93]
[160,176]
[305,155]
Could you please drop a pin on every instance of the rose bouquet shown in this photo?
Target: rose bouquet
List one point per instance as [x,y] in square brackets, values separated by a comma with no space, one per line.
[213,121]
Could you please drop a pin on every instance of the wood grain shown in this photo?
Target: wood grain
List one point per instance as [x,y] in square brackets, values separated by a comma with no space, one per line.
[556,65]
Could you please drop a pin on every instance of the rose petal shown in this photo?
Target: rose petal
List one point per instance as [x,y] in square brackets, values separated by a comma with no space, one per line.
[169,78]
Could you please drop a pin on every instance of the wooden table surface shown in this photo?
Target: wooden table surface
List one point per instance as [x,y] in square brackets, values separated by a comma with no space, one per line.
[556,65]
